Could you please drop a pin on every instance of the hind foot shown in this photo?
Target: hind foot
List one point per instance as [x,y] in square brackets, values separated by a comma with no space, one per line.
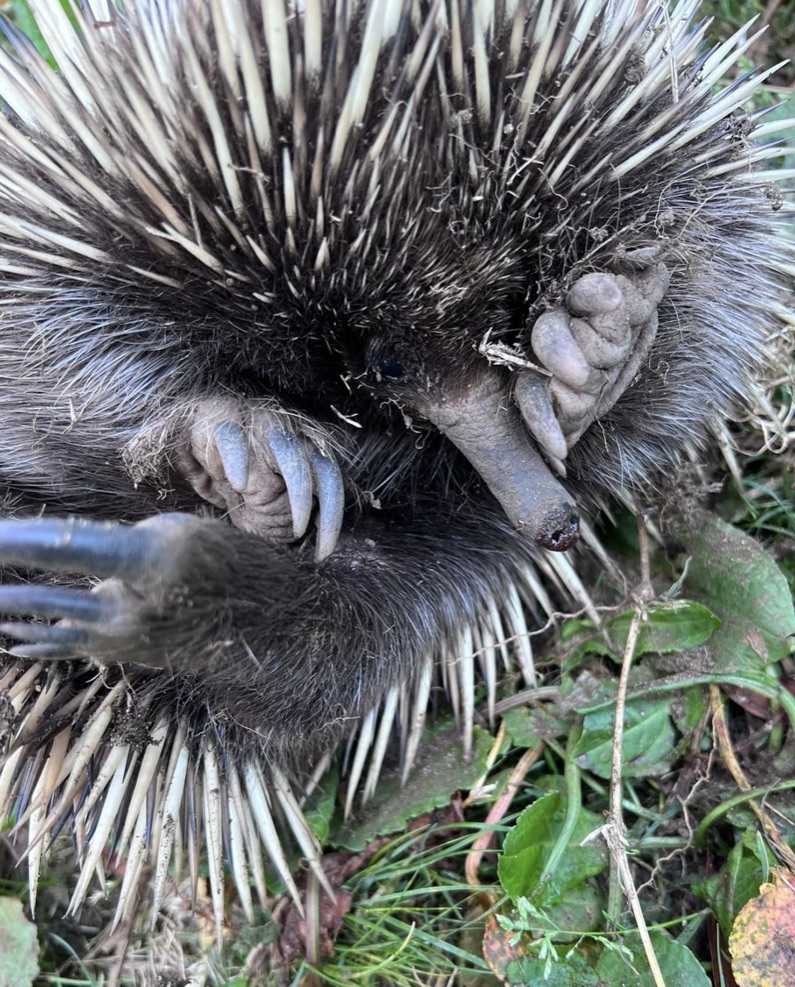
[592,346]
[262,469]
[176,591]
[139,612]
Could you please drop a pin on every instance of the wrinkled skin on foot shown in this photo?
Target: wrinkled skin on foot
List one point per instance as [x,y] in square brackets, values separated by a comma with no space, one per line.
[592,346]
[261,469]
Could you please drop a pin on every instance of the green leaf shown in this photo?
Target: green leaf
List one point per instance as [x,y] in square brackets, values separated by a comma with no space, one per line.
[739,580]
[736,884]
[19,946]
[675,627]
[690,712]
[517,957]
[527,846]
[521,727]
[581,909]
[319,809]
[679,966]
[441,770]
[649,740]
[571,972]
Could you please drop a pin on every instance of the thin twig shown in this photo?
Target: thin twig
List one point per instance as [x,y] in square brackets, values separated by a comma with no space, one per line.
[615,831]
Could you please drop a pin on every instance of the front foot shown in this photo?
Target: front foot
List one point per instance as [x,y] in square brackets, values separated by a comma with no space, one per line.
[264,470]
[592,346]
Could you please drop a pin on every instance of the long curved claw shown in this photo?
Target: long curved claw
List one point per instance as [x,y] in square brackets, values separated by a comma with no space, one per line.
[532,399]
[331,503]
[92,548]
[232,445]
[292,463]
[258,465]
[47,641]
[44,652]
[44,633]
[52,601]
[136,614]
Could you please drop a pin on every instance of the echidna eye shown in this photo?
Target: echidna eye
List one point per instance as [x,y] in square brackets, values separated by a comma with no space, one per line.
[390,368]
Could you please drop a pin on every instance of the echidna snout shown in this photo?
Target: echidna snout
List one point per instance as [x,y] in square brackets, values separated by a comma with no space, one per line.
[483,423]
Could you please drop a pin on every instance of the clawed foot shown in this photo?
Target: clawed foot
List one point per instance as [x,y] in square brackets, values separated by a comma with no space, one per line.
[593,347]
[140,612]
[258,466]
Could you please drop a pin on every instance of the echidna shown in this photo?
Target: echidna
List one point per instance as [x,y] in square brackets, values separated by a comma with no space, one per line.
[433,275]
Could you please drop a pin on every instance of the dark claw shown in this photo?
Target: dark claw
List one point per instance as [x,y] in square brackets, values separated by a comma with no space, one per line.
[331,503]
[92,548]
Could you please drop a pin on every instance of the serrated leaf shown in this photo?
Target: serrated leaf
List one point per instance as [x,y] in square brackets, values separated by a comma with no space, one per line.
[741,582]
[441,770]
[522,865]
[649,740]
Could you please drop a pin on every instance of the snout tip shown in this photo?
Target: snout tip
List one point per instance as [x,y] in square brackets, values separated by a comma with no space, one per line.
[558,529]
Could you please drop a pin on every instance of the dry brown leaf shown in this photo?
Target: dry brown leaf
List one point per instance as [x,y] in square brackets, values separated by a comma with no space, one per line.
[762,941]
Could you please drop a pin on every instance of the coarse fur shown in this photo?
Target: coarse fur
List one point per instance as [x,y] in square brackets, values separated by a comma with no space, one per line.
[329,232]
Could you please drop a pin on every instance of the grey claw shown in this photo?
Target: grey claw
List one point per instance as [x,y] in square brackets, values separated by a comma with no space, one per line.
[52,601]
[75,545]
[42,652]
[530,394]
[557,349]
[331,503]
[231,442]
[294,468]
[49,634]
